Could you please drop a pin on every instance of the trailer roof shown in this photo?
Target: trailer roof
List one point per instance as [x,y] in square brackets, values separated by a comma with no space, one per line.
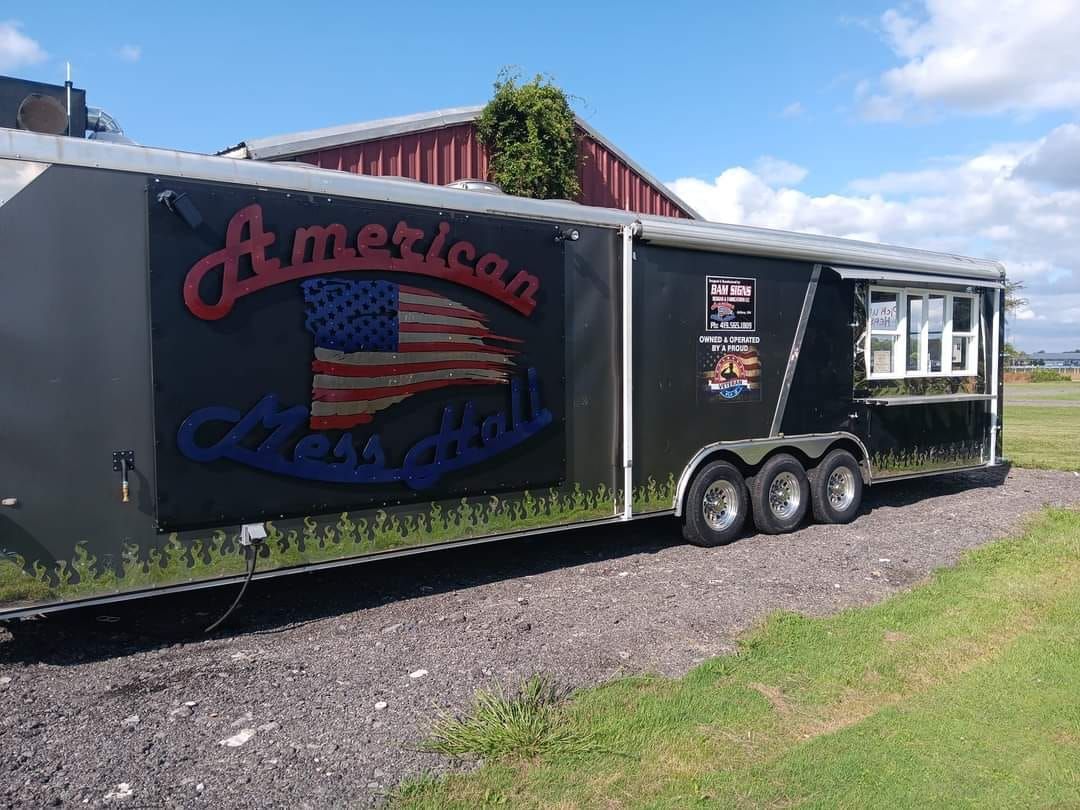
[22,145]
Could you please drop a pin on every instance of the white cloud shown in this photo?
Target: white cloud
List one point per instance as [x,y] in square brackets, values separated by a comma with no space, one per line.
[793,110]
[881,109]
[17,49]
[130,53]
[984,205]
[979,56]
[778,172]
[1057,160]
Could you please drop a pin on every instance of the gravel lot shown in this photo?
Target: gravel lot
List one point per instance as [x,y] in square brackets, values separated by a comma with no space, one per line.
[320,689]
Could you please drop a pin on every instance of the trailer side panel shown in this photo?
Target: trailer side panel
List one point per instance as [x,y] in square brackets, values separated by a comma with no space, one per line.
[89,298]
[712,337]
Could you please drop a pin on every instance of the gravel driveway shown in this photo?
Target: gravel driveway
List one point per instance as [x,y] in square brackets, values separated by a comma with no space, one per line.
[324,684]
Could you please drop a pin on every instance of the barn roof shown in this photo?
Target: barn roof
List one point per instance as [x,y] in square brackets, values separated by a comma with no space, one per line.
[278,147]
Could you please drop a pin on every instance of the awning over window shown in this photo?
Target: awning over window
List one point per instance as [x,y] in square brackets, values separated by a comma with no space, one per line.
[916,279]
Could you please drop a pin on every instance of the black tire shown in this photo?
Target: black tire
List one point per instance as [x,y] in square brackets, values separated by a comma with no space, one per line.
[721,526]
[790,471]
[841,509]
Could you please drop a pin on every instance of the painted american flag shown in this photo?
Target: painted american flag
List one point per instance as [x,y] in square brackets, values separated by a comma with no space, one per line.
[378,343]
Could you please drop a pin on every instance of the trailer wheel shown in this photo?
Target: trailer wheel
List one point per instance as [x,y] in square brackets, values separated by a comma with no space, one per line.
[716,505]
[836,488]
[780,494]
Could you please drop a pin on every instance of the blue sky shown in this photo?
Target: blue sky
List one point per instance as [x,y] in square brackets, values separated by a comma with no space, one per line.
[873,120]
[687,92]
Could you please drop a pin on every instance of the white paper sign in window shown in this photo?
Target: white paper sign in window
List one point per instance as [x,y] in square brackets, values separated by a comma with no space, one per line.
[883,312]
[885,337]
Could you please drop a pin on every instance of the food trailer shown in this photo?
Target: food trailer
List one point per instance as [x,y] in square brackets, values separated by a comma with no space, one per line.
[213,367]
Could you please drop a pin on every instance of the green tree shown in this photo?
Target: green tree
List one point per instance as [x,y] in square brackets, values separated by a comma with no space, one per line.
[1013,299]
[528,129]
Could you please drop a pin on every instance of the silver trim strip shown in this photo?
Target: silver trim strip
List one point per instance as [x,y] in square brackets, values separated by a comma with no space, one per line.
[22,145]
[752,451]
[906,476]
[929,399]
[55,607]
[628,370]
[796,347]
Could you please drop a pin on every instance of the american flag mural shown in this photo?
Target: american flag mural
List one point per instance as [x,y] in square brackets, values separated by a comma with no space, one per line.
[378,343]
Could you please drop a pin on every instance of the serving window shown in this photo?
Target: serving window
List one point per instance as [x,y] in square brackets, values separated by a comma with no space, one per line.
[921,333]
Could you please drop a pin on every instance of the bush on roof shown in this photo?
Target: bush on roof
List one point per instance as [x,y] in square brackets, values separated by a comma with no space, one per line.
[528,129]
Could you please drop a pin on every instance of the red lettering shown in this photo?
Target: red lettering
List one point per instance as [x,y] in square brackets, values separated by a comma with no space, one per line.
[531,284]
[454,258]
[491,266]
[405,237]
[246,237]
[432,258]
[320,238]
[228,259]
[370,238]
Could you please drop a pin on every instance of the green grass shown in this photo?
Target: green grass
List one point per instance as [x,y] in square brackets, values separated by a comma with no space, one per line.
[1045,438]
[1060,391]
[960,693]
[522,724]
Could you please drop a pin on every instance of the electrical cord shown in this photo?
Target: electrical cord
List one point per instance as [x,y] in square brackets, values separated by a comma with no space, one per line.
[251,551]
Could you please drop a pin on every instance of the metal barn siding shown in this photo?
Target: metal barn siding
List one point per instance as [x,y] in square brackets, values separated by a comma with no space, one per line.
[436,156]
[447,154]
[606,180]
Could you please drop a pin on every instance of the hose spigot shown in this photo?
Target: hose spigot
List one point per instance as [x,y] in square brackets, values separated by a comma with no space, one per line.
[122,462]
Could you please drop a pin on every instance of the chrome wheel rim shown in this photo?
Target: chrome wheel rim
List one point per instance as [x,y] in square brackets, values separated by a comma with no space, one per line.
[841,488]
[720,505]
[784,495]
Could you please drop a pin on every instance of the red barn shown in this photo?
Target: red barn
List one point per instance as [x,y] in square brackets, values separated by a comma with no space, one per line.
[443,147]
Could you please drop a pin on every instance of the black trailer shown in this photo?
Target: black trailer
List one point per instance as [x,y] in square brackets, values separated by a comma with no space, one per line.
[200,351]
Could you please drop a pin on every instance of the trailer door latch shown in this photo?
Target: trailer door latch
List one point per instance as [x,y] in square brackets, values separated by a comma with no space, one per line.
[122,462]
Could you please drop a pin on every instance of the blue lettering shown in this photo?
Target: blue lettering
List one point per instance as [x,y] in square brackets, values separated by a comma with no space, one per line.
[458,444]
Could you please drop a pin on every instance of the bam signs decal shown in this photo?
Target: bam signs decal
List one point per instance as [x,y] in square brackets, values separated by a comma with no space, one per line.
[729,304]
[365,352]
